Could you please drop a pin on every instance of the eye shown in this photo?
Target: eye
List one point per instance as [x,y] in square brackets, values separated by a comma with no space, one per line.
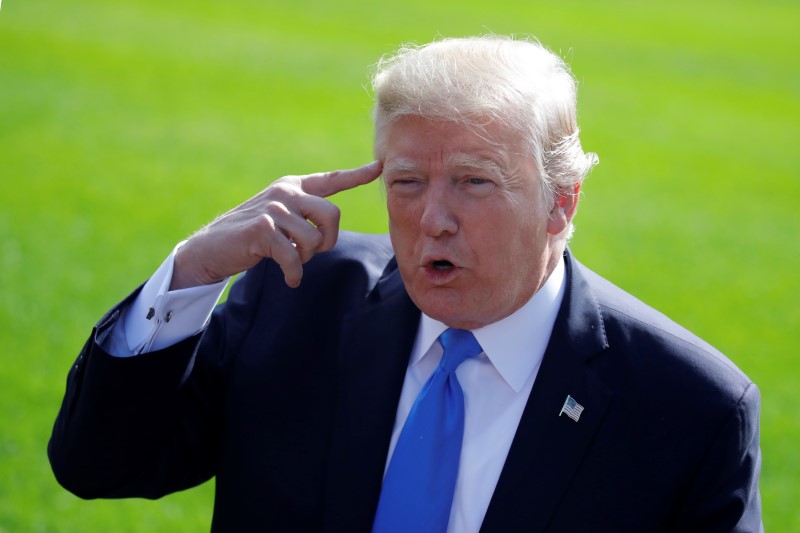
[478,186]
[403,182]
[404,185]
[479,183]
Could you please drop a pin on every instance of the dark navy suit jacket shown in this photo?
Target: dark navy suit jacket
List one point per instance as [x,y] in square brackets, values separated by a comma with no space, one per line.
[289,399]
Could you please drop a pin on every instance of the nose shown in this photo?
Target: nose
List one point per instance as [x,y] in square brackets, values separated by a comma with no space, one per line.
[438,216]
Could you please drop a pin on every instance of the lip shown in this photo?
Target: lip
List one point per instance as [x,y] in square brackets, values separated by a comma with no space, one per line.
[440,277]
[436,276]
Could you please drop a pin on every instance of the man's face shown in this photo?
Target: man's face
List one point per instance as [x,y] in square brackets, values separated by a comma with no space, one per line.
[468,220]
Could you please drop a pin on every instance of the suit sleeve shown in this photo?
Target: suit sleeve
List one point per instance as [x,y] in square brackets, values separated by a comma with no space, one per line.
[725,495]
[118,425]
[149,425]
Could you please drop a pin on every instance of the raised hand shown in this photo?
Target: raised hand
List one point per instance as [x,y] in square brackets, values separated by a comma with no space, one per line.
[289,221]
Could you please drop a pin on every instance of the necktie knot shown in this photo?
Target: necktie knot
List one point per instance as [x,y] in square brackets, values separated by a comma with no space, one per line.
[458,345]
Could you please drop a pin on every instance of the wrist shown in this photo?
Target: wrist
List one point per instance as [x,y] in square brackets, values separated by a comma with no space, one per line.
[188,270]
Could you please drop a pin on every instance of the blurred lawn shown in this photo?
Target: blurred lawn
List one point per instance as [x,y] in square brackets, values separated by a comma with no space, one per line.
[126,125]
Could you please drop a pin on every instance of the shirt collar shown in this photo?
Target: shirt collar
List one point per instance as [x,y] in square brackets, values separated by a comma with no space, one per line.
[515,345]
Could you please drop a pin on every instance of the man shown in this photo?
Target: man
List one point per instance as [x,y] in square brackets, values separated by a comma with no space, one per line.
[308,393]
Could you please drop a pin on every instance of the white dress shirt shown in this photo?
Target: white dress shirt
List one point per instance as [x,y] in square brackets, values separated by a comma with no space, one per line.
[496,383]
[496,387]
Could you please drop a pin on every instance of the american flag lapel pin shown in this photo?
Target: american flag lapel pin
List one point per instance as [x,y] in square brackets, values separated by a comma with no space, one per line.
[571,408]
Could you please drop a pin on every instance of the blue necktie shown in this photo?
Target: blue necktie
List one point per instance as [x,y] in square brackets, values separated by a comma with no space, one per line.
[418,487]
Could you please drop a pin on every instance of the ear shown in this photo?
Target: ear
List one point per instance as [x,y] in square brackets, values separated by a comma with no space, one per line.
[565,204]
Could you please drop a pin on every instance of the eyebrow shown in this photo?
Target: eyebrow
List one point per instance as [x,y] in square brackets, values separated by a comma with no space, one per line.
[476,162]
[400,164]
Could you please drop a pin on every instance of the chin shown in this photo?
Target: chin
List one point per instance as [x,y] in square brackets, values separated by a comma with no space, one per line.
[459,319]
[451,306]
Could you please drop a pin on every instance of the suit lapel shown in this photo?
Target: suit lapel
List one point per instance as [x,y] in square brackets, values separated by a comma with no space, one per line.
[375,347]
[548,448]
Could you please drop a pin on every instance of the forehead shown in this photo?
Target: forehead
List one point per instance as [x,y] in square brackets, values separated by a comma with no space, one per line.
[411,141]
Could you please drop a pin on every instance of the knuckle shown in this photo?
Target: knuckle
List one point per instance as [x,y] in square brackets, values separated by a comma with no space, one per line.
[330,212]
[316,239]
[265,222]
[281,189]
[287,183]
[274,207]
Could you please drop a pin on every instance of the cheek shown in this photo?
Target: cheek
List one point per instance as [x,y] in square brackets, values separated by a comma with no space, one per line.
[403,219]
[511,249]
[394,208]
[403,236]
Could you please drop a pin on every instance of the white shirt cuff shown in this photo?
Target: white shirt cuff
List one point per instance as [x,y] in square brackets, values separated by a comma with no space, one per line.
[159,318]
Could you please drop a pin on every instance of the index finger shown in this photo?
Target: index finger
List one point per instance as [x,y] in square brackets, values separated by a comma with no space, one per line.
[328,183]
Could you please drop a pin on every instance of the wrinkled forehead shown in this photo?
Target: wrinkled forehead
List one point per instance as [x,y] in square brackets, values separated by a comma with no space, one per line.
[468,142]
[485,163]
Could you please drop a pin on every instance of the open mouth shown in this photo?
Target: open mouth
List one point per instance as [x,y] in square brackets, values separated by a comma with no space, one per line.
[442,265]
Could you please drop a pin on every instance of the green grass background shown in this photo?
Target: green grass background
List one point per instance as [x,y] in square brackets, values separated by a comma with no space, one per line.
[126,125]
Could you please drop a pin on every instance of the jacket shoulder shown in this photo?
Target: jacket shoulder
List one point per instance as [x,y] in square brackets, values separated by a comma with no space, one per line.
[652,341]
